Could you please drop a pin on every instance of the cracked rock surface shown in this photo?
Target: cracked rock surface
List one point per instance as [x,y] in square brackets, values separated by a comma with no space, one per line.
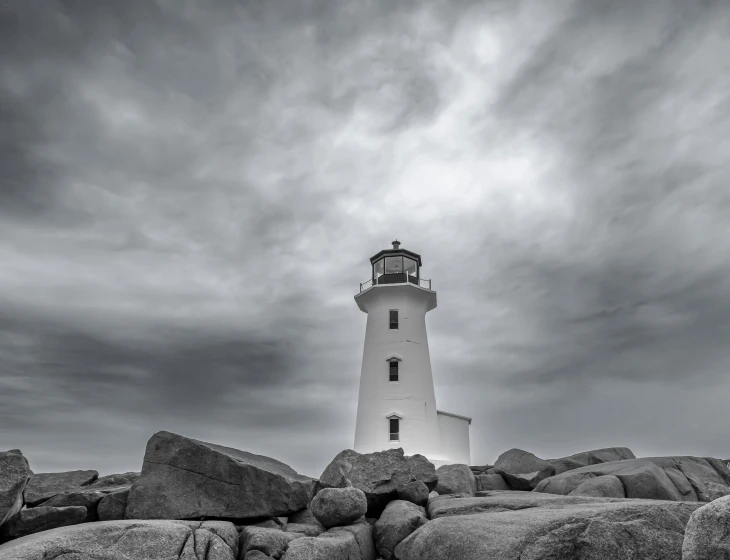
[523,526]
[14,475]
[129,540]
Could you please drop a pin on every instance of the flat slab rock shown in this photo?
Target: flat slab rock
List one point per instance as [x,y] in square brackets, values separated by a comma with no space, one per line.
[681,478]
[183,478]
[43,486]
[525,526]
[129,540]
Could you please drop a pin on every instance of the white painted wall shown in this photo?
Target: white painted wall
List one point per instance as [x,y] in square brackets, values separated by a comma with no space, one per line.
[412,397]
[454,439]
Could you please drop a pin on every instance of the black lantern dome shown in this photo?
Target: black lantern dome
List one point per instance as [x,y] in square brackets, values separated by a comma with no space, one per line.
[396,266]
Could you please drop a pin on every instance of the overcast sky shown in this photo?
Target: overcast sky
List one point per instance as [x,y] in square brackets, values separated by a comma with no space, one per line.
[190,192]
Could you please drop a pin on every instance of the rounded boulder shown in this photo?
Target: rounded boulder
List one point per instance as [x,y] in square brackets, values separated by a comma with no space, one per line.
[335,507]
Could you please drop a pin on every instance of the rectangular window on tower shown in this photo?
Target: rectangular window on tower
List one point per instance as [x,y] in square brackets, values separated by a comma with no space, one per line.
[394,429]
[393,318]
[394,370]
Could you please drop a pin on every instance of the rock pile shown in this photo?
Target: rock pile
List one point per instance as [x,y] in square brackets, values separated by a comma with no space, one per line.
[195,500]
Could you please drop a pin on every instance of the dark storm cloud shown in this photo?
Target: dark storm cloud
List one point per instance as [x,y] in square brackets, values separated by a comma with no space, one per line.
[190,193]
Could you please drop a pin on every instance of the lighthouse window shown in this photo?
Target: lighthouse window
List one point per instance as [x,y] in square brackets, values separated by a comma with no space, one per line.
[394,429]
[393,318]
[411,266]
[393,265]
[394,370]
[378,268]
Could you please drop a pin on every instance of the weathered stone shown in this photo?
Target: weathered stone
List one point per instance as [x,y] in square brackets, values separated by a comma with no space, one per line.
[129,540]
[680,478]
[256,555]
[43,486]
[336,545]
[377,474]
[115,480]
[399,520]
[491,482]
[306,529]
[87,498]
[184,478]
[714,491]
[339,506]
[14,475]
[511,525]
[112,506]
[707,535]
[363,533]
[454,479]
[272,542]
[416,492]
[605,455]
[303,516]
[522,470]
[34,520]
[564,464]
[607,486]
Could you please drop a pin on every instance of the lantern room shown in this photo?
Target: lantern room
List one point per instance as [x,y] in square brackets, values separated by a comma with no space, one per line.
[396,266]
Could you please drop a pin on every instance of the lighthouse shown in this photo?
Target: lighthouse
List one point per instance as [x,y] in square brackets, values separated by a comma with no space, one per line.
[397,402]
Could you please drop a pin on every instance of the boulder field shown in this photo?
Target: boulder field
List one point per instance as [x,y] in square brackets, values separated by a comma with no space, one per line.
[194,500]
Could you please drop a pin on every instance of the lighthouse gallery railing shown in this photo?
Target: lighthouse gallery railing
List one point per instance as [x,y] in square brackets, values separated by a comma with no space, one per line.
[399,278]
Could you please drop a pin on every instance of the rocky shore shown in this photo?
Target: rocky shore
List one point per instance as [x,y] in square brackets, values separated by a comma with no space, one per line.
[195,500]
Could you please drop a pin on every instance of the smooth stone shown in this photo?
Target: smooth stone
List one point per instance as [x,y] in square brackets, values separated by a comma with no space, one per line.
[400,519]
[87,498]
[522,470]
[707,536]
[415,492]
[34,520]
[334,507]
[14,476]
[491,482]
[457,478]
[306,529]
[113,505]
[601,487]
[43,486]
[363,533]
[272,542]
[336,545]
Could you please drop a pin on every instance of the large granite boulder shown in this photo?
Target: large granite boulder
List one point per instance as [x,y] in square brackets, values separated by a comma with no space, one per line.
[491,482]
[399,520]
[378,474]
[416,492]
[605,455]
[522,470]
[608,486]
[457,478]
[183,478]
[129,540]
[34,520]
[332,545]
[512,525]
[113,506]
[272,542]
[14,476]
[43,486]
[116,480]
[707,535]
[679,478]
[363,533]
[86,498]
[334,507]
[565,464]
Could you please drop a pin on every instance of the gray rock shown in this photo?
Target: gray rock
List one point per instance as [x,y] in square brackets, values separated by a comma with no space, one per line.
[87,498]
[454,479]
[14,475]
[184,478]
[377,474]
[399,520]
[336,545]
[129,540]
[522,470]
[303,516]
[714,491]
[680,478]
[565,464]
[115,480]
[363,533]
[707,535]
[511,525]
[256,555]
[415,492]
[272,542]
[605,455]
[607,486]
[34,520]
[43,486]
[113,505]
[334,507]
[491,482]
[306,529]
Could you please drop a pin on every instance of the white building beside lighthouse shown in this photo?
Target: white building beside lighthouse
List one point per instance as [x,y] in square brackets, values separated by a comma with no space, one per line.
[397,403]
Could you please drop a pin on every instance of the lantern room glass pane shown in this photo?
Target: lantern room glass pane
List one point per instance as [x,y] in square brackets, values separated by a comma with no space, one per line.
[378,268]
[411,266]
[393,265]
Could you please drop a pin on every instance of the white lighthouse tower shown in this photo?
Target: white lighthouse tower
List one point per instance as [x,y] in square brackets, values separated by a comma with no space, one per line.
[397,404]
